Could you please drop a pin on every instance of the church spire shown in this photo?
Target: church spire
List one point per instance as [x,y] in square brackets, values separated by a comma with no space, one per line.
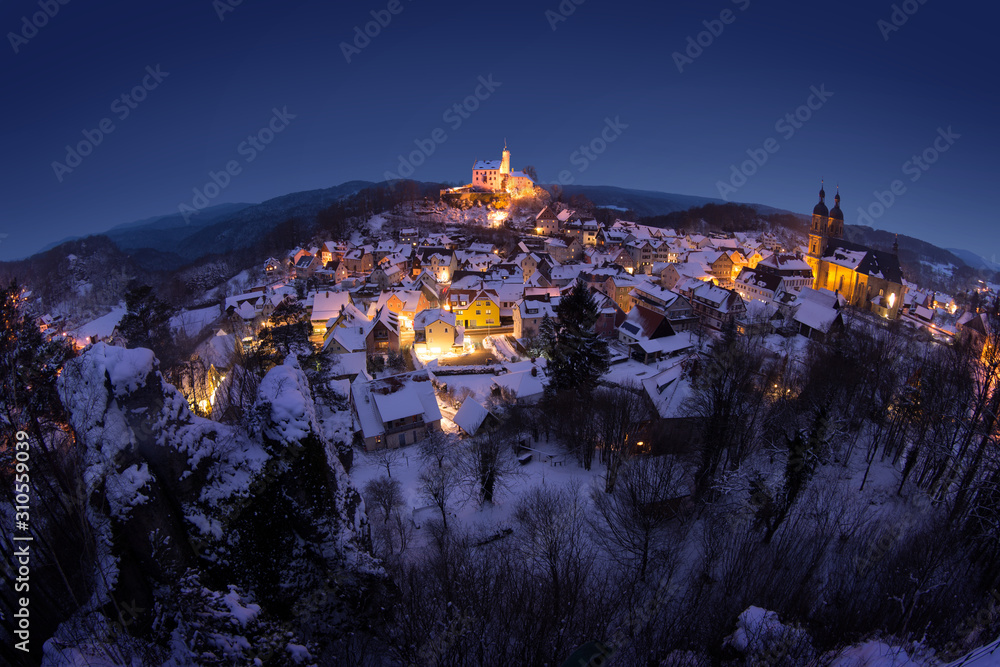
[895,245]
[820,212]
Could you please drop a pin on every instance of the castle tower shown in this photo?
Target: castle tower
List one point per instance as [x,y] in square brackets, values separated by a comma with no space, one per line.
[505,162]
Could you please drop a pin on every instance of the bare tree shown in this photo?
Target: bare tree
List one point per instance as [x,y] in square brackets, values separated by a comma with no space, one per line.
[630,519]
[438,448]
[550,536]
[384,493]
[490,461]
[619,412]
[387,458]
[438,484]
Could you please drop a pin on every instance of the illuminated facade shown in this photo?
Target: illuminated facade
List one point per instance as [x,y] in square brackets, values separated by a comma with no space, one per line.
[496,176]
[868,279]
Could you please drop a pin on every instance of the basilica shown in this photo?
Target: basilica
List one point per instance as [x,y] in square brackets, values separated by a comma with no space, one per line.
[868,279]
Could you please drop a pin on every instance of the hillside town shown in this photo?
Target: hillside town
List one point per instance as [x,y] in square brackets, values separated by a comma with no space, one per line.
[506,366]
[436,297]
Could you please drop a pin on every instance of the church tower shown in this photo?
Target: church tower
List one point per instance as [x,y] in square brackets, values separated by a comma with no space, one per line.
[835,228]
[818,230]
[818,234]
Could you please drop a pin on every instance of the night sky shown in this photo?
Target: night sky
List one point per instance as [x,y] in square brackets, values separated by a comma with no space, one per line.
[556,81]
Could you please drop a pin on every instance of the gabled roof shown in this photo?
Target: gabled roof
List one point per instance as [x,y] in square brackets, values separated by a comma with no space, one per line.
[328,304]
[763,281]
[471,415]
[645,324]
[432,315]
[816,316]
[521,384]
[546,214]
[395,397]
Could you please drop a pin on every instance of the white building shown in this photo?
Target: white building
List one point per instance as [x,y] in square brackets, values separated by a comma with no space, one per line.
[496,176]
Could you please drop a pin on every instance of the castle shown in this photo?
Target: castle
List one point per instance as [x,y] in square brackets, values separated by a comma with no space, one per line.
[496,176]
[867,279]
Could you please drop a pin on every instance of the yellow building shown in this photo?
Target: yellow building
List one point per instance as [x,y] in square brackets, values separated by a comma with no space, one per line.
[475,309]
[868,279]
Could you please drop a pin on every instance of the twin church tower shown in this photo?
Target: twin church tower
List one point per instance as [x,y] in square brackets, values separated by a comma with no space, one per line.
[867,278]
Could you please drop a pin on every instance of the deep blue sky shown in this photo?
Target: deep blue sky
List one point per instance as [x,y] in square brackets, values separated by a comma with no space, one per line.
[607,59]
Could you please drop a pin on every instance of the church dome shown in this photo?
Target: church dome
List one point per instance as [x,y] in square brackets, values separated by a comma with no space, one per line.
[821,208]
[835,212]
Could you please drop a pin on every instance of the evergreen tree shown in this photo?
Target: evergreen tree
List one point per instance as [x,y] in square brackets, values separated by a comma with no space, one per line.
[288,332]
[146,323]
[577,356]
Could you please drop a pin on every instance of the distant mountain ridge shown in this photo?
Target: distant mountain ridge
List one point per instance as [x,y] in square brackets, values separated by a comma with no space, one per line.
[974,260]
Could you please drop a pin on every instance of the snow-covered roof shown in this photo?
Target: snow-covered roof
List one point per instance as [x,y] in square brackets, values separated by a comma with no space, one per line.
[392,398]
[815,316]
[487,164]
[327,305]
[521,384]
[431,315]
[100,328]
[668,390]
[668,344]
[471,415]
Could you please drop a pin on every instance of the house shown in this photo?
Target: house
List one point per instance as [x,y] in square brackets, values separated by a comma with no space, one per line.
[673,275]
[546,222]
[386,277]
[102,329]
[359,260]
[405,303]
[326,306]
[440,262]
[584,231]
[353,331]
[473,416]
[609,315]
[759,286]
[437,331]
[817,313]
[271,266]
[474,309]
[395,411]
[409,236]
[716,306]
[307,265]
[520,386]
[672,305]
[346,333]
[619,288]
[383,334]
[641,326]
[564,251]
[796,272]
[530,312]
